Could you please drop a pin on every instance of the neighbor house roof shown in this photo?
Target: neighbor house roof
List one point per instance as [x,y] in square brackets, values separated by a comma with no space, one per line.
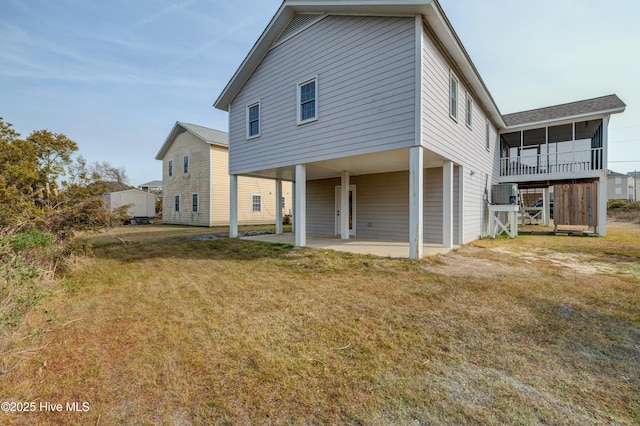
[430,10]
[152,184]
[205,134]
[611,173]
[610,104]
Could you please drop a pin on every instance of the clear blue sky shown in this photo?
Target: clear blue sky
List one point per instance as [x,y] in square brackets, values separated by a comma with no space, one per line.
[116,75]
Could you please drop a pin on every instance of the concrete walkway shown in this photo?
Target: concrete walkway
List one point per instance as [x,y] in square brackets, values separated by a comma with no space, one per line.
[377,247]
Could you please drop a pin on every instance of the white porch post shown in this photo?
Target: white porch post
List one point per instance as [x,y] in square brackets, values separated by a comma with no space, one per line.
[546,207]
[447,204]
[344,205]
[416,202]
[602,204]
[233,206]
[278,206]
[460,205]
[301,205]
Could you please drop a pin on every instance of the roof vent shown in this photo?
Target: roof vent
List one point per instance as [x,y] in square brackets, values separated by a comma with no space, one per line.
[298,23]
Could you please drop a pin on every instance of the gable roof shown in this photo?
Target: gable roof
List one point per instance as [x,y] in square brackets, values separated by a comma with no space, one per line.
[430,10]
[610,104]
[153,183]
[205,134]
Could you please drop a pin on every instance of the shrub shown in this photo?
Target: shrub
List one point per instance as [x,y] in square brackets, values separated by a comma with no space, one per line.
[32,238]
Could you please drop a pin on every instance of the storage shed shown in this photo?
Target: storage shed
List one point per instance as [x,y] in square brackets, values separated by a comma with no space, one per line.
[142,205]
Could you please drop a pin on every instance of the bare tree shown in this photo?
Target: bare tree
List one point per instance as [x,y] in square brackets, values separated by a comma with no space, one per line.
[109,173]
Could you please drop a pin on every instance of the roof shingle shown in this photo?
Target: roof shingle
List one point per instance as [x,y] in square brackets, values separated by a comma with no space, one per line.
[557,112]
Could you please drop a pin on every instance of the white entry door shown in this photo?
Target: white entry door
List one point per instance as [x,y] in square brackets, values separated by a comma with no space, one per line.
[352,210]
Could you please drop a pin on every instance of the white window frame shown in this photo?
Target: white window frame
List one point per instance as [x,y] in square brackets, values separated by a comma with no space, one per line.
[253,204]
[197,199]
[248,125]
[176,203]
[170,167]
[185,164]
[468,118]
[299,101]
[488,136]
[454,98]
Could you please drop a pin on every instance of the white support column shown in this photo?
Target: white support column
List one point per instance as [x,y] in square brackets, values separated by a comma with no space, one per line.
[416,202]
[447,204]
[460,205]
[278,206]
[602,204]
[344,205]
[546,210]
[301,205]
[233,206]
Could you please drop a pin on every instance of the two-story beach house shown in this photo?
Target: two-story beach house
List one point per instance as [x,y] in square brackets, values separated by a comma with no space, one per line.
[195,182]
[377,114]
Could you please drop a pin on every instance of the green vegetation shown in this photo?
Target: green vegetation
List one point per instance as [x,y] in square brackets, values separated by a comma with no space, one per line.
[169,330]
[624,211]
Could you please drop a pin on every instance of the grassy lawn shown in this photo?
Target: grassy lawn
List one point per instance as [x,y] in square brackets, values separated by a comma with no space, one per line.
[167,330]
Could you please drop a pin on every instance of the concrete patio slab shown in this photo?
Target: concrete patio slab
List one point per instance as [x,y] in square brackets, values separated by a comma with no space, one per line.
[374,246]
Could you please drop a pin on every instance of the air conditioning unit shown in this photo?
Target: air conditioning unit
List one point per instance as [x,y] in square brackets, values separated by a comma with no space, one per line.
[504,194]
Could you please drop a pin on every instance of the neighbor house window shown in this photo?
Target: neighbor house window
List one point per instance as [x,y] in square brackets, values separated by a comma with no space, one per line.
[618,181]
[284,203]
[488,137]
[256,203]
[469,116]
[185,163]
[253,120]
[170,167]
[308,101]
[194,202]
[453,97]
[176,203]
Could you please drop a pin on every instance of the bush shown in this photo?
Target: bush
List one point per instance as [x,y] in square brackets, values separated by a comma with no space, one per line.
[624,211]
[32,238]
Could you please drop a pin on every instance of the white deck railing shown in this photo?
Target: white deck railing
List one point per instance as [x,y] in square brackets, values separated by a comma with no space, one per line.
[560,162]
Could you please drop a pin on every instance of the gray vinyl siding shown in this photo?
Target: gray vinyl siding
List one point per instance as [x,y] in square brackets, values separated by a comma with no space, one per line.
[382,205]
[366,90]
[455,140]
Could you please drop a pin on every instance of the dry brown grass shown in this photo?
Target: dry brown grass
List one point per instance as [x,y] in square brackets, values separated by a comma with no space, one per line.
[166,330]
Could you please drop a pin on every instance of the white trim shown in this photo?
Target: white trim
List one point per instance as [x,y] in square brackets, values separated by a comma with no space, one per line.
[452,78]
[299,100]
[248,123]
[252,203]
[461,178]
[419,78]
[197,210]
[209,189]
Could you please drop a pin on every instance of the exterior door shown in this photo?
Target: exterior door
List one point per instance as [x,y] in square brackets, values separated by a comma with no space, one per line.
[352,210]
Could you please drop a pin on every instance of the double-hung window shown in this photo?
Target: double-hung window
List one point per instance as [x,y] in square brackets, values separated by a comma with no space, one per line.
[308,101]
[176,203]
[194,202]
[170,167]
[185,163]
[256,203]
[253,120]
[453,97]
[469,111]
[488,136]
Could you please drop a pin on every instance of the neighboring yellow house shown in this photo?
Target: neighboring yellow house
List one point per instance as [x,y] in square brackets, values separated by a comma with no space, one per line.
[195,180]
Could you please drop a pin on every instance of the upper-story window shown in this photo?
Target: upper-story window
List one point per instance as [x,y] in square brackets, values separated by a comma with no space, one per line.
[170,167]
[253,120]
[469,111]
[185,164]
[488,136]
[453,97]
[308,101]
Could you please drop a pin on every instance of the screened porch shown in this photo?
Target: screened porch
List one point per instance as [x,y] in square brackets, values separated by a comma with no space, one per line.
[561,149]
